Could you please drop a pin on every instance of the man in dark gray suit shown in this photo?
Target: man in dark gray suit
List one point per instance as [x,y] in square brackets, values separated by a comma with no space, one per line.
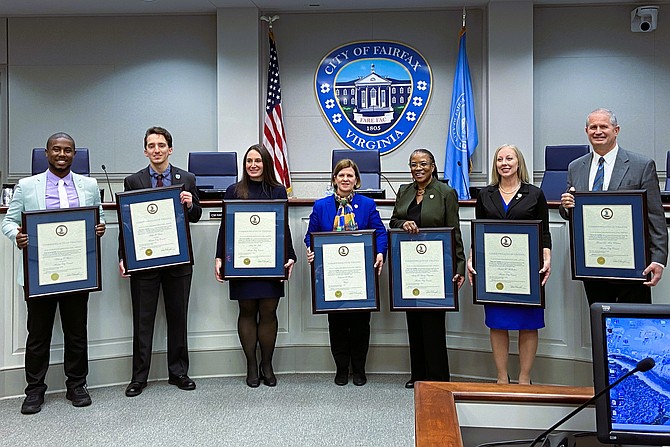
[175,281]
[620,170]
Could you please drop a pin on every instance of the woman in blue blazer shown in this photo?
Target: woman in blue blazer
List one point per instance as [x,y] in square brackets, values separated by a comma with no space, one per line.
[347,211]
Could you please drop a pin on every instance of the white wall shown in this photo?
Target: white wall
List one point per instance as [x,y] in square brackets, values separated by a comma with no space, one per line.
[105,80]
[587,57]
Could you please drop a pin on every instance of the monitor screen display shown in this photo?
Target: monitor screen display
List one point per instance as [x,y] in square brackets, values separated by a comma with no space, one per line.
[637,410]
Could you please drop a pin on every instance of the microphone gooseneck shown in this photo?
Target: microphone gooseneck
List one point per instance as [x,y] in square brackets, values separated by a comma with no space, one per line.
[460,168]
[109,185]
[643,366]
[387,181]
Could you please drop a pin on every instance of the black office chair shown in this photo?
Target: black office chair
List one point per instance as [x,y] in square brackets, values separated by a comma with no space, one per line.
[369,166]
[556,161]
[214,171]
[80,163]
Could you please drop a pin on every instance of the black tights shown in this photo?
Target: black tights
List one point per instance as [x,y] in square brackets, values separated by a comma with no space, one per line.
[257,325]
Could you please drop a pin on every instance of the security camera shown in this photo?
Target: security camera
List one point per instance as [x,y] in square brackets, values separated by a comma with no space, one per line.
[644,19]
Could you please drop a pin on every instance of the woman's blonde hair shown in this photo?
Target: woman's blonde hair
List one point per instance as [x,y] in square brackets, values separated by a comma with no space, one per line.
[521,172]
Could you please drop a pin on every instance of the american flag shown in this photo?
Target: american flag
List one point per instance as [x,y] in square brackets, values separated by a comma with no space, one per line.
[274,138]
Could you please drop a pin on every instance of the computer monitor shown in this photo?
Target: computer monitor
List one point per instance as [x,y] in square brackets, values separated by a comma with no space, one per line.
[636,411]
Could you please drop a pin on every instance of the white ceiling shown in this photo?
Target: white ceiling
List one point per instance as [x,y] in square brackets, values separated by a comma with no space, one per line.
[11,8]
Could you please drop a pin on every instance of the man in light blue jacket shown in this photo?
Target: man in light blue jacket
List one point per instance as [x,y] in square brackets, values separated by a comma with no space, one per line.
[58,187]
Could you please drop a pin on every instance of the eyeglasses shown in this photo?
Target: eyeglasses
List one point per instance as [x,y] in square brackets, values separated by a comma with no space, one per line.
[422,165]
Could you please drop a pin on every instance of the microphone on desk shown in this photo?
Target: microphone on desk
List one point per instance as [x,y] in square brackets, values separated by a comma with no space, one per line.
[643,366]
[387,181]
[111,193]
[460,168]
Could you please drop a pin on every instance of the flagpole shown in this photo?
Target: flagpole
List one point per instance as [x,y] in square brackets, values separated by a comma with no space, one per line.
[462,138]
[274,136]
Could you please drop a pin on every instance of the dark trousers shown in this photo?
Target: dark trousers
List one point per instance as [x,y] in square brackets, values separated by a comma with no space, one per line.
[349,339]
[73,310]
[144,291]
[616,292]
[428,345]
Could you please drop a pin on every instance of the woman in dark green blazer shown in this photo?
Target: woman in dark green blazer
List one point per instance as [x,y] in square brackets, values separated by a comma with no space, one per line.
[426,203]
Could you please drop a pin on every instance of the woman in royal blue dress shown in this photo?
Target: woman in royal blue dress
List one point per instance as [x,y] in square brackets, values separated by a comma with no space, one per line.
[511,196]
[257,298]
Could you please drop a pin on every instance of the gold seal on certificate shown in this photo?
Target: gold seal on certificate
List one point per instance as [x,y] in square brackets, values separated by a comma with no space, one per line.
[423,269]
[154,229]
[62,252]
[255,239]
[344,272]
[507,263]
[608,236]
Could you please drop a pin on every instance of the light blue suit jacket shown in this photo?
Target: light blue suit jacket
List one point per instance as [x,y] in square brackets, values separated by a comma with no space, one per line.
[30,195]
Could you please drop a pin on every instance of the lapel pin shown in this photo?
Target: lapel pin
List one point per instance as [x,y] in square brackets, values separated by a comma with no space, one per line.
[177,176]
[432,196]
[356,206]
[518,196]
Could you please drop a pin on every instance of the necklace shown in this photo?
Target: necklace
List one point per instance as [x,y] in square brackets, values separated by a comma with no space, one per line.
[516,188]
[420,191]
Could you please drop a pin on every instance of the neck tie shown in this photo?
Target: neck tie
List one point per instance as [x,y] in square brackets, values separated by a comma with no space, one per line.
[159,180]
[599,180]
[62,195]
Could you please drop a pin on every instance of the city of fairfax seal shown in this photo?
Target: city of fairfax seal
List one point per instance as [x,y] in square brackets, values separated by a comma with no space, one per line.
[373,94]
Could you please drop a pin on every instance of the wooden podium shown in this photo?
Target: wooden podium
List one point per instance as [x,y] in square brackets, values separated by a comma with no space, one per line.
[436,416]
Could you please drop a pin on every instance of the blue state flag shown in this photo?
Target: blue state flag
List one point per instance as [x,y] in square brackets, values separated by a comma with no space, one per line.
[462,136]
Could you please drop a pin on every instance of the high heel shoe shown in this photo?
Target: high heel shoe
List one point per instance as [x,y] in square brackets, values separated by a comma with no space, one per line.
[269,380]
[253,382]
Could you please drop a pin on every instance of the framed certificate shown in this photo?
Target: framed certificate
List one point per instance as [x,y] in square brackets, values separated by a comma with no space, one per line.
[343,273]
[609,235]
[153,228]
[254,245]
[507,256]
[421,268]
[63,252]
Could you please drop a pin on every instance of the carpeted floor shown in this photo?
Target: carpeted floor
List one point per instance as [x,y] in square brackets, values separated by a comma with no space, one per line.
[303,410]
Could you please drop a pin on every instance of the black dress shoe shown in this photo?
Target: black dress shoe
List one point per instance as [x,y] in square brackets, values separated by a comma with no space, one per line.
[410,383]
[268,380]
[183,382]
[341,378]
[32,404]
[79,396]
[360,379]
[135,388]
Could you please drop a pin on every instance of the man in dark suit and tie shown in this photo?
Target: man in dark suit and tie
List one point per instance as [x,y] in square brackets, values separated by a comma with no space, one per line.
[175,281]
[608,168]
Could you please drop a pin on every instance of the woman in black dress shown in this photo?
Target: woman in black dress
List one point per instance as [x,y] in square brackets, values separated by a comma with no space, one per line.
[510,196]
[258,298]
